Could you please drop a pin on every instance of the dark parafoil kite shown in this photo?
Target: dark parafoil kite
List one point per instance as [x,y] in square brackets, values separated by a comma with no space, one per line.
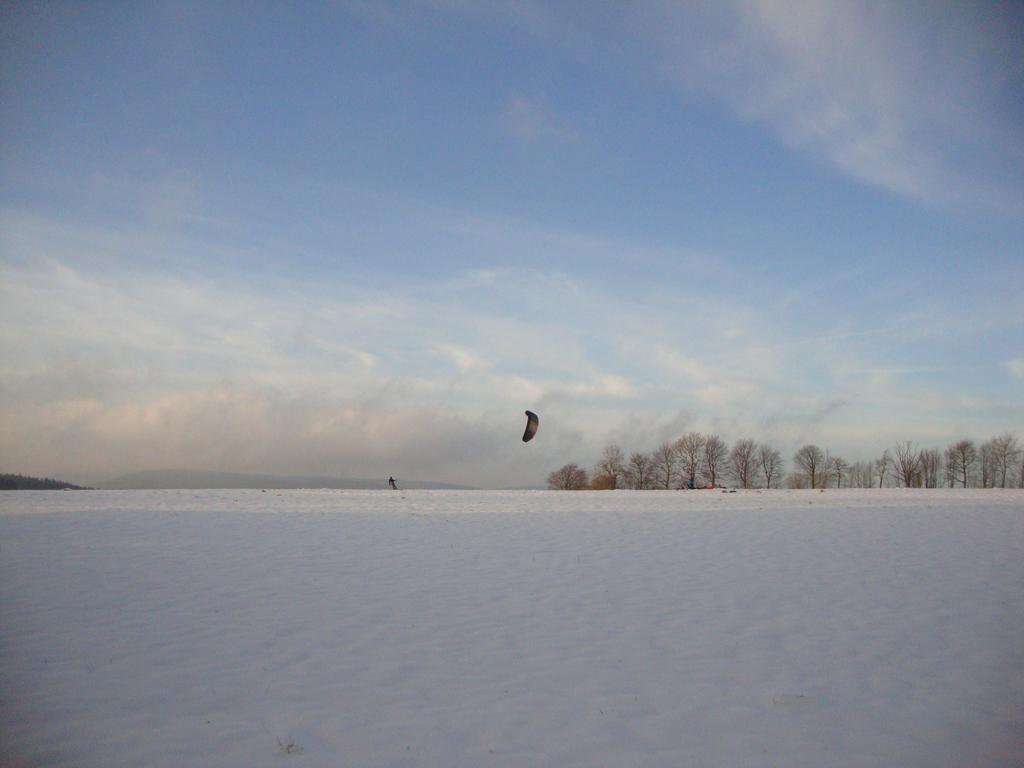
[532,422]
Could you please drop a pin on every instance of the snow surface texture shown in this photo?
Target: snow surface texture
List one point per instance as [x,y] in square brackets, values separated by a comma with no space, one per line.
[440,628]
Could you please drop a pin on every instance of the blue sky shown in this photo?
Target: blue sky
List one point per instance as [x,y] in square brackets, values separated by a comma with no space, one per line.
[360,238]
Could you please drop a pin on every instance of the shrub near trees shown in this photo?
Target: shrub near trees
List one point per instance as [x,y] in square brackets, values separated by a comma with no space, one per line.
[569,478]
[705,458]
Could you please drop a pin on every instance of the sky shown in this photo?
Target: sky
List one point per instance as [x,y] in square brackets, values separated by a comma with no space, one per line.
[359,239]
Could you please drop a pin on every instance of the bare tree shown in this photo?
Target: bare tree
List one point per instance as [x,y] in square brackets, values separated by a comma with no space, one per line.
[639,471]
[906,463]
[612,465]
[715,454]
[743,462]
[825,470]
[769,460]
[1004,450]
[569,478]
[664,466]
[986,464]
[838,468]
[931,463]
[690,448]
[948,471]
[961,457]
[696,458]
[882,465]
[855,475]
[861,474]
[810,460]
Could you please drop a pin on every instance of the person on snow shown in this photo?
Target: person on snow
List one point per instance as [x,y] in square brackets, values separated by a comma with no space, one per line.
[393,484]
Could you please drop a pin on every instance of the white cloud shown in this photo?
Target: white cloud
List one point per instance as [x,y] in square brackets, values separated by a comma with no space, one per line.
[270,371]
[143,370]
[159,331]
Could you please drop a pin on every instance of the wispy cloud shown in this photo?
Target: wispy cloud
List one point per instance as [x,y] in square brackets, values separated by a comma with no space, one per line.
[144,369]
[465,360]
[529,121]
[1015,367]
[904,97]
[679,364]
[531,17]
[146,364]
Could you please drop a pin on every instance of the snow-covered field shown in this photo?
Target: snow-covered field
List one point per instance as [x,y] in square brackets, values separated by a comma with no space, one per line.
[438,628]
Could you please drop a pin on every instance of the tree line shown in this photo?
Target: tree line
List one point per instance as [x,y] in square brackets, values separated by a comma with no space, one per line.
[698,460]
[10,482]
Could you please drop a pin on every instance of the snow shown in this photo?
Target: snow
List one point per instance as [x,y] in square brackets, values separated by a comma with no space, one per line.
[468,628]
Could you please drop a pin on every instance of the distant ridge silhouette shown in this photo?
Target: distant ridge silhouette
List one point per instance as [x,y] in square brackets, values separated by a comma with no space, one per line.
[180,479]
[10,482]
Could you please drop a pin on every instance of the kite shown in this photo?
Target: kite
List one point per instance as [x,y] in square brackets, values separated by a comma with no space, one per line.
[531,426]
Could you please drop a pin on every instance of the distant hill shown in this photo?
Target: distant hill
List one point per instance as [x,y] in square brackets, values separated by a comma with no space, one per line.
[23,483]
[182,479]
